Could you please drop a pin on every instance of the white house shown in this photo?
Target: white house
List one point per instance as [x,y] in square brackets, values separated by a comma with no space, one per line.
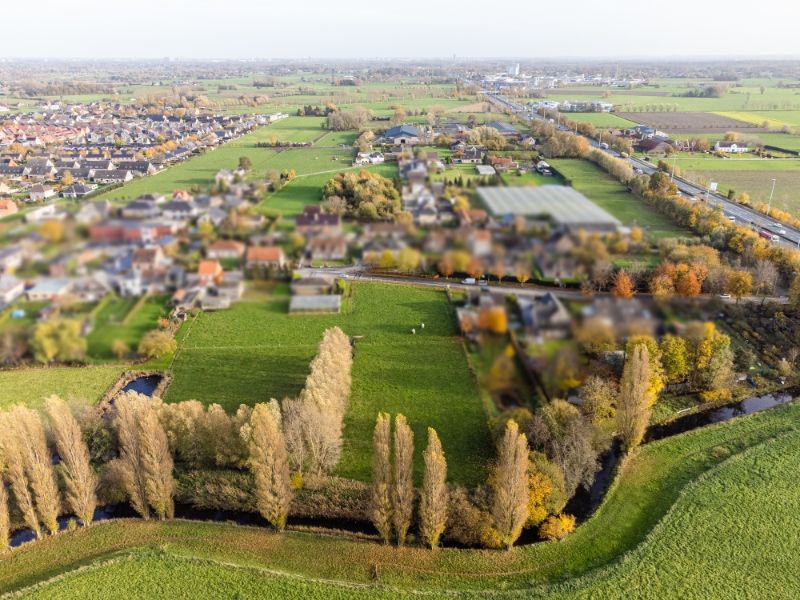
[731,147]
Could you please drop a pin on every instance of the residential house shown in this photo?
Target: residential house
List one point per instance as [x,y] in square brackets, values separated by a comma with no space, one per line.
[40,193]
[11,288]
[48,289]
[544,317]
[225,249]
[469,155]
[209,272]
[112,176]
[314,222]
[325,247]
[93,212]
[78,190]
[502,163]
[140,209]
[731,147]
[179,210]
[265,256]
[11,259]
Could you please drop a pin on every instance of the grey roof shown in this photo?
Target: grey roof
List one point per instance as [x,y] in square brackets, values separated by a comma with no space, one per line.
[564,204]
[331,303]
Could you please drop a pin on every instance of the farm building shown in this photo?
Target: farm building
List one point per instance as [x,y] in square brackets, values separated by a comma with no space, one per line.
[564,205]
[485,170]
[300,304]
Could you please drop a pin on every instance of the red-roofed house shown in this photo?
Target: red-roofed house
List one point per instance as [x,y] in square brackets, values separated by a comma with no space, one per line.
[268,256]
[210,272]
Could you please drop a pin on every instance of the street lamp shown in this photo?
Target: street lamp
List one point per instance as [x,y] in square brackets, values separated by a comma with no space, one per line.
[770,195]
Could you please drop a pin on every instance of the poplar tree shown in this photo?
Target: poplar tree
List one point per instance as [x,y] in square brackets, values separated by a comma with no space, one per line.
[381,501]
[38,465]
[5,521]
[17,477]
[79,478]
[157,464]
[510,485]
[270,466]
[633,407]
[128,407]
[403,488]
[434,498]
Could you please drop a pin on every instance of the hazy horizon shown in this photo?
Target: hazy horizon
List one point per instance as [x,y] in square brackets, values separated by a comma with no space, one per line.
[245,29]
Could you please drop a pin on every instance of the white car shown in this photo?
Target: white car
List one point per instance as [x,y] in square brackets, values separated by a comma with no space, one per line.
[782,231]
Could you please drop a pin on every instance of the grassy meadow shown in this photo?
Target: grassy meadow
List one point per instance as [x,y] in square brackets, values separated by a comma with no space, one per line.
[31,386]
[256,351]
[610,195]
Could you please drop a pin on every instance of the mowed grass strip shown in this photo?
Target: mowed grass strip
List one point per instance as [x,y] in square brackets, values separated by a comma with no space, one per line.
[711,513]
[256,351]
[610,195]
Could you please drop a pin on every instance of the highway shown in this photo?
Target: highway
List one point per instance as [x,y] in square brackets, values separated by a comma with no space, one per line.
[786,234]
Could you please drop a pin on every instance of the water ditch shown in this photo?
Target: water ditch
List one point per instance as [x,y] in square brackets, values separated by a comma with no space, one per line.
[582,505]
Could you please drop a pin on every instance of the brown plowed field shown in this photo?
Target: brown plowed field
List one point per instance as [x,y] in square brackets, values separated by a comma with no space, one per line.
[690,122]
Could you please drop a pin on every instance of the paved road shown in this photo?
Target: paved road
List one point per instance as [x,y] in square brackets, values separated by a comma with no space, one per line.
[360,273]
[786,234]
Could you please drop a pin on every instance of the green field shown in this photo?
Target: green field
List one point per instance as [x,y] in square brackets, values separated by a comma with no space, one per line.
[125,319]
[672,525]
[200,170]
[256,351]
[32,386]
[751,175]
[610,195]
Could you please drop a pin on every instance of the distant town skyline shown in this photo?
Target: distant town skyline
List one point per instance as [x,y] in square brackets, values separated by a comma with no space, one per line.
[239,29]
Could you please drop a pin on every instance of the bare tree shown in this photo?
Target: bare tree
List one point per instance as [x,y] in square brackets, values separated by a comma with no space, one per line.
[270,466]
[38,465]
[434,498]
[633,407]
[381,501]
[510,485]
[79,477]
[403,488]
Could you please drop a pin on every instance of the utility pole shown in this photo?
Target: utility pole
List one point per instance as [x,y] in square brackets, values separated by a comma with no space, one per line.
[770,195]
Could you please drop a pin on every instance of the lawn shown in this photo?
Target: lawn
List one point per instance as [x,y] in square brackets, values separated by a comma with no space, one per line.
[306,188]
[256,351]
[711,513]
[610,195]
[32,385]
[125,319]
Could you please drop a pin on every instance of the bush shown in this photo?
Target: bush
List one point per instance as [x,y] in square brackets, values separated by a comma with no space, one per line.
[469,523]
[557,527]
[155,344]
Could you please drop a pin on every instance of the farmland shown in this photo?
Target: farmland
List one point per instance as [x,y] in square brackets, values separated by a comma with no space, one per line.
[610,195]
[748,174]
[256,351]
[602,119]
[706,480]
[683,122]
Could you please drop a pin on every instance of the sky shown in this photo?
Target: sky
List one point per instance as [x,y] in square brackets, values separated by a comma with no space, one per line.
[327,29]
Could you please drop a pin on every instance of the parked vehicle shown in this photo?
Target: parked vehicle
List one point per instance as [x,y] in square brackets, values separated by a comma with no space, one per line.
[469,281]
